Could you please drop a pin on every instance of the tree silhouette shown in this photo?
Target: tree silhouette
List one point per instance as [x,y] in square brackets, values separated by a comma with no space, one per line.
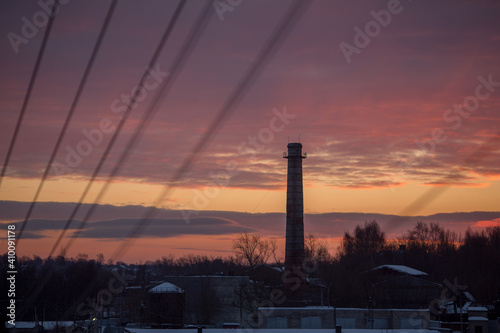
[367,240]
[252,250]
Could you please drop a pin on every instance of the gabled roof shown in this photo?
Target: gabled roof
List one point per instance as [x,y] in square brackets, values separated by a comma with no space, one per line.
[166,288]
[408,280]
[280,269]
[400,269]
[316,282]
[478,308]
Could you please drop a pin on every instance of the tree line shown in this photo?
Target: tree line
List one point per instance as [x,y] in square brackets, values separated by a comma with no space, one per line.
[472,259]
[52,288]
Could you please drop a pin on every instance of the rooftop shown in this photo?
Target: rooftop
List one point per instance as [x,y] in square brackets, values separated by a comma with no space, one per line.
[166,288]
[401,269]
[477,308]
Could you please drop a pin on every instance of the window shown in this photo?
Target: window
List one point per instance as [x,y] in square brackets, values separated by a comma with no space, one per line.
[410,323]
[381,323]
[346,322]
[310,322]
[277,323]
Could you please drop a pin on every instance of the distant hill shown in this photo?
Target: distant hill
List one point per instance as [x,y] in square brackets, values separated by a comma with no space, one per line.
[168,223]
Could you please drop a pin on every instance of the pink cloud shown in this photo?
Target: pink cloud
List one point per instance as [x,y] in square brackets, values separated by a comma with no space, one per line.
[358,121]
[485,224]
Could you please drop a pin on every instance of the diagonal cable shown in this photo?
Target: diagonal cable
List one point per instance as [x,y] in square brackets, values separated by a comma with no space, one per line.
[124,118]
[255,69]
[251,74]
[434,192]
[61,137]
[70,114]
[153,60]
[30,89]
[180,59]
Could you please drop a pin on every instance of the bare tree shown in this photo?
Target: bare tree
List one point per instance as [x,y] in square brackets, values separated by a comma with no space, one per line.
[100,258]
[82,257]
[252,250]
[430,238]
[62,253]
[277,257]
[315,248]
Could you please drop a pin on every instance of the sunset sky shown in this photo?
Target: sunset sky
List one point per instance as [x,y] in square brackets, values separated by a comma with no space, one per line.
[396,104]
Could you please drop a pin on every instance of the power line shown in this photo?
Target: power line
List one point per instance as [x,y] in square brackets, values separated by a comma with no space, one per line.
[180,59]
[31,84]
[434,192]
[252,73]
[61,136]
[262,199]
[104,156]
[153,60]
[70,114]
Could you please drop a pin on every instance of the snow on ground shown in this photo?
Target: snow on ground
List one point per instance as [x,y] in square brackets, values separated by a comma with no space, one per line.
[273,330]
[48,325]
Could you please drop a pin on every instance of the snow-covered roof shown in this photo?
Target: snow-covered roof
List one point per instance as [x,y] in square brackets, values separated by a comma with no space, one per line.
[478,308]
[281,330]
[450,307]
[316,282]
[166,287]
[280,269]
[315,308]
[478,318]
[331,308]
[401,269]
[469,296]
[48,325]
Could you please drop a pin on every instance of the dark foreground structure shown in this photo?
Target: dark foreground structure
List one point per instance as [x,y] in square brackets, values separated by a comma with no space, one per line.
[294,250]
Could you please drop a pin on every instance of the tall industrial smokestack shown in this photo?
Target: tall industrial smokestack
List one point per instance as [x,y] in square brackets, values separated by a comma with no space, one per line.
[294,249]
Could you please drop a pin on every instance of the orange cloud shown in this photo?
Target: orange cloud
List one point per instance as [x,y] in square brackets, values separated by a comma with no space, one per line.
[484,224]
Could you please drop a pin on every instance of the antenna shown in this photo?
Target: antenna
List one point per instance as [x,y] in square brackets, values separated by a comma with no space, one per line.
[289,139]
[299,137]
